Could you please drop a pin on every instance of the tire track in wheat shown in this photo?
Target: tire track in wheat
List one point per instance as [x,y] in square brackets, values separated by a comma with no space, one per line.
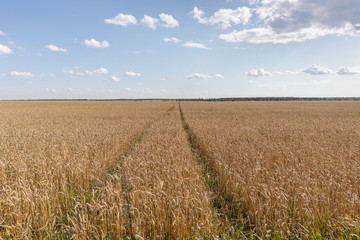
[228,210]
[90,215]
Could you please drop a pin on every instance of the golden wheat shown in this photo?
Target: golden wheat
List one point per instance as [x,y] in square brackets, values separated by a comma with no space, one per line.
[126,170]
[292,168]
[157,193]
[52,152]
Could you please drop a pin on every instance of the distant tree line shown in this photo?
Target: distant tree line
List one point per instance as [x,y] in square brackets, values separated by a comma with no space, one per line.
[275,99]
[215,99]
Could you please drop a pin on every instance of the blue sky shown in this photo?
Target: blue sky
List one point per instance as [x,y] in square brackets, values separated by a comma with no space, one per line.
[179,49]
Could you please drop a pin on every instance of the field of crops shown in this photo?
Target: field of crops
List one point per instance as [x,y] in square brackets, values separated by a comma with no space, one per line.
[189,170]
[291,168]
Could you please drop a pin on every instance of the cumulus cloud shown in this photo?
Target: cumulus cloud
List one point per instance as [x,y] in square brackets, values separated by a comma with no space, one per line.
[316,70]
[165,20]
[218,76]
[194,45]
[267,35]
[258,73]
[203,76]
[253,2]
[54,48]
[349,70]
[287,21]
[150,21]
[76,71]
[2,33]
[198,14]
[24,75]
[114,79]
[132,74]
[4,49]
[289,15]
[168,20]
[174,40]
[225,18]
[96,44]
[122,20]
[70,72]
[96,72]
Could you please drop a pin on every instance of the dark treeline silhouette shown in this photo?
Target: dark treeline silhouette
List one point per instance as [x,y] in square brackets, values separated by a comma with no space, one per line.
[276,99]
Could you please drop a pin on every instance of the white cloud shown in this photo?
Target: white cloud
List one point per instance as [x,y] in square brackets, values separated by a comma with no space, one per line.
[132,74]
[287,21]
[2,33]
[253,2]
[68,71]
[194,45]
[122,20]
[198,14]
[25,75]
[96,44]
[70,89]
[174,40]
[75,71]
[218,76]
[114,79]
[203,76]
[162,79]
[55,48]
[349,70]
[225,18]
[165,20]
[169,21]
[96,72]
[316,70]
[290,15]
[288,72]
[267,35]
[258,73]
[4,49]
[150,21]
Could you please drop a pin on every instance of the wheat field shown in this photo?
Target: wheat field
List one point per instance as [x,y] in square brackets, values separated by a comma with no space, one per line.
[292,168]
[52,152]
[188,170]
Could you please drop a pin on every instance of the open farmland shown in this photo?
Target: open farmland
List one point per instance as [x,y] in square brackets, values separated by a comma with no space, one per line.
[291,168]
[158,184]
[52,152]
[164,170]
